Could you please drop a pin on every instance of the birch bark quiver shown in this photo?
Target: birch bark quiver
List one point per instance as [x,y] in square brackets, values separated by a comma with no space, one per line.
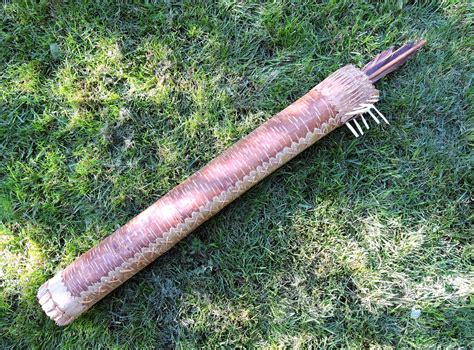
[100,270]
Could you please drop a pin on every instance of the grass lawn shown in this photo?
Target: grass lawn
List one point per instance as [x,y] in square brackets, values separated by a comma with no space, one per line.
[104,108]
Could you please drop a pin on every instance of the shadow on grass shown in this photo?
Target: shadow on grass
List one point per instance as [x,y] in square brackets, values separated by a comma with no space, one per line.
[298,272]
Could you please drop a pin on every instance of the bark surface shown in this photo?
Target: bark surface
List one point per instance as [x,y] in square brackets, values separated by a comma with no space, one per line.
[133,246]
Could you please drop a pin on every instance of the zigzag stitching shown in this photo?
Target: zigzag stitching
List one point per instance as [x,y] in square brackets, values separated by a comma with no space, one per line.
[162,244]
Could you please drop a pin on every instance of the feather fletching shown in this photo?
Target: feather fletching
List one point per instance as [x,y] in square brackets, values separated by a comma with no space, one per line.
[389,60]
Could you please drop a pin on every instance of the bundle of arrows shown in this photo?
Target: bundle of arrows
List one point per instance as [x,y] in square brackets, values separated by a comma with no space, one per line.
[347,96]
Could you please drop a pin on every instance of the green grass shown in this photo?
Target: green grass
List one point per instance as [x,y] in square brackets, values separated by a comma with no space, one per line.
[104,108]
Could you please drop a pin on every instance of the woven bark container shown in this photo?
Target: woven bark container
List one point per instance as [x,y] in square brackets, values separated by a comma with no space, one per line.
[135,245]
